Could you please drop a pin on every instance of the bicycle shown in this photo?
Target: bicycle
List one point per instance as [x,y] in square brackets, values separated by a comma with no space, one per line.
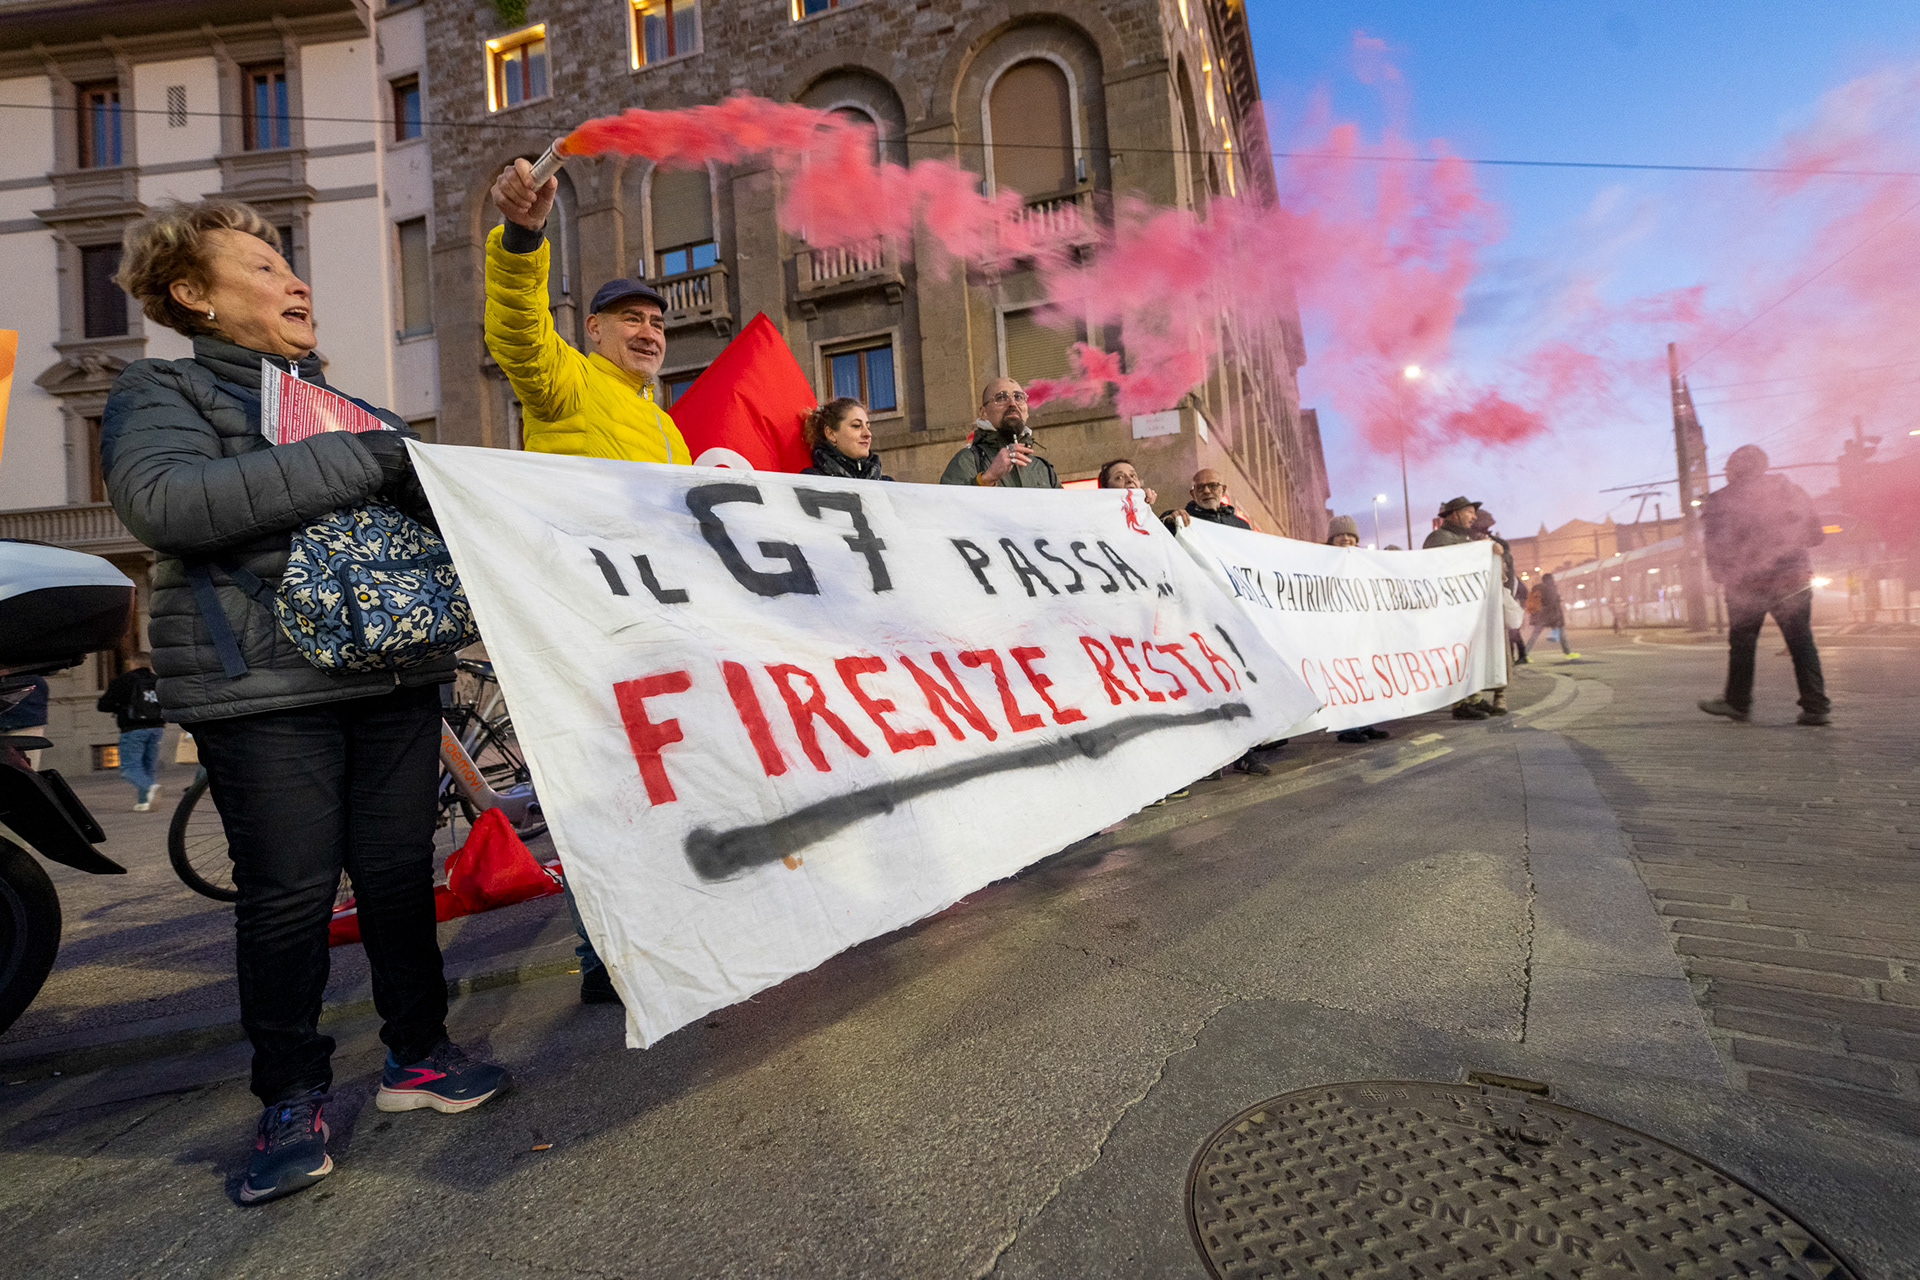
[480,768]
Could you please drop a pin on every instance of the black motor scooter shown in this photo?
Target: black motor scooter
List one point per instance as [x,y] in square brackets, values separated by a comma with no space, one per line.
[56,607]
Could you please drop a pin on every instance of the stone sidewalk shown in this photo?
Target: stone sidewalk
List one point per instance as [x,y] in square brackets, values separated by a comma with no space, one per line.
[1785,860]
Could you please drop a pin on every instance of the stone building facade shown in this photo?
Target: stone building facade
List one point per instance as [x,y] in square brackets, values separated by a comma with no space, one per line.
[312,111]
[1155,99]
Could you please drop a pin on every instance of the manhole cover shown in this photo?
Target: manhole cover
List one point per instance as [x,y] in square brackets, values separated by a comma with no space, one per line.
[1410,1179]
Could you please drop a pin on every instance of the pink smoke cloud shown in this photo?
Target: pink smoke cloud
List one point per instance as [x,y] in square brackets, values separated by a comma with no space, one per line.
[835,192]
[1379,259]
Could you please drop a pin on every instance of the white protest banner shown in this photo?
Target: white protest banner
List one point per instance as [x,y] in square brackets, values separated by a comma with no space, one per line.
[1375,634]
[770,716]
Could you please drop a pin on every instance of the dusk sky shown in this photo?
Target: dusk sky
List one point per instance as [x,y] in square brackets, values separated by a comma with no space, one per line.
[1700,83]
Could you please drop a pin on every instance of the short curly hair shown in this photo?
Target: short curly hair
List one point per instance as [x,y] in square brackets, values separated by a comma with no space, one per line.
[169,244]
[827,415]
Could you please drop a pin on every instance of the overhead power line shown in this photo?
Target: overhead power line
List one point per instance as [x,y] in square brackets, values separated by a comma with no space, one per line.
[547,131]
[1798,377]
[1668,484]
[1805,391]
[1751,320]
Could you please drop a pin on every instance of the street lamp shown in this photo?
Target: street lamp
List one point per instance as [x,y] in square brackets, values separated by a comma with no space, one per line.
[1378,498]
[1409,374]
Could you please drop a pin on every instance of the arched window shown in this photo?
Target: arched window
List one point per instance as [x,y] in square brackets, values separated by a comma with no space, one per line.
[854,115]
[681,204]
[1190,119]
[1030,114]
[563,266]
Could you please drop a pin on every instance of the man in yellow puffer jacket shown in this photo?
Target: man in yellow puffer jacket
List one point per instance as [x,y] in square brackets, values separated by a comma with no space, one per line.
[599,404]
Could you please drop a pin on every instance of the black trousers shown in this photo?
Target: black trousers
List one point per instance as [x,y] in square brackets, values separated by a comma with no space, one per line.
[1747,610]
[303,794]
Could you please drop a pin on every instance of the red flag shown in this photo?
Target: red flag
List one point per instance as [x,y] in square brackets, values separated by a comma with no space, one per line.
[751,400]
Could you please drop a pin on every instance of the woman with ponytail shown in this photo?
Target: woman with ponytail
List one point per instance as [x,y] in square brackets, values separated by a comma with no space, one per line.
[842,441]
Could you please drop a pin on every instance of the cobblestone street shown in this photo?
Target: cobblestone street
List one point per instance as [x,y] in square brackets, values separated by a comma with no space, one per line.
[1785,860]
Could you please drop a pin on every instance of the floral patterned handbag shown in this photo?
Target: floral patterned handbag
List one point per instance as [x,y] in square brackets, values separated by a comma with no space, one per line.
[368,588]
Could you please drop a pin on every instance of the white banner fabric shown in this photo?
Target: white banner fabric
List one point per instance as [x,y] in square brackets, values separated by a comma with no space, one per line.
[1375,634]
[772,716]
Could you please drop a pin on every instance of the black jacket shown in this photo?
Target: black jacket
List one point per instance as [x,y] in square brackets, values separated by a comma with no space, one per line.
[133,697]
[1223,515]
[1757,535]
[192,477]
[829,461]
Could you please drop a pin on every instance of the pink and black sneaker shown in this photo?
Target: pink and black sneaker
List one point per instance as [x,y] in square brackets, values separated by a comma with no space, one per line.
[446,1080]
[289,1150]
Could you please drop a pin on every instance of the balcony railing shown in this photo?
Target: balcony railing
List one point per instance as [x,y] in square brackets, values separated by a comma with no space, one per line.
[698,297]
[1067,216]
[832,266]
[91,526]
[855,268]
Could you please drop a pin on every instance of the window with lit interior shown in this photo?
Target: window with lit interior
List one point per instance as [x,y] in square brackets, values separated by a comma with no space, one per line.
[664,29]
[517,68]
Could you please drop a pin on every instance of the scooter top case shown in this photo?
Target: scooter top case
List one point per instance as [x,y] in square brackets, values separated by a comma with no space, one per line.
[56,606]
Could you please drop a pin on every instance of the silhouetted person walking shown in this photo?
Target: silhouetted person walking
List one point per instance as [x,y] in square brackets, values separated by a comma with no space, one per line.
[1758,529]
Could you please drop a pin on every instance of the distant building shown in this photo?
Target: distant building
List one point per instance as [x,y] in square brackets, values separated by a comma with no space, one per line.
[1155,98]
[310,110]
[1633,570]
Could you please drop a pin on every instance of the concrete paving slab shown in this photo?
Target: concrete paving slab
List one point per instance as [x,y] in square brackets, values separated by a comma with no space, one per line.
[1604,984]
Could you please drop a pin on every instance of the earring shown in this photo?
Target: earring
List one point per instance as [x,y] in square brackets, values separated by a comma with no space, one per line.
[209,313]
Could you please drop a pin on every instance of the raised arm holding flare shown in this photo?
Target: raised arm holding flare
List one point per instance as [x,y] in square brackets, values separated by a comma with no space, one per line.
[599,404]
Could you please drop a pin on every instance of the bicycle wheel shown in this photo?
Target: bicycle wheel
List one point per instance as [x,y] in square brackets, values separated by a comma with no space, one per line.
[197,844]
[496,754]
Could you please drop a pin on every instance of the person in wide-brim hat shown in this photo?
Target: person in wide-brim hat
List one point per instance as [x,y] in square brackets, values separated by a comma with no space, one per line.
[1456,523]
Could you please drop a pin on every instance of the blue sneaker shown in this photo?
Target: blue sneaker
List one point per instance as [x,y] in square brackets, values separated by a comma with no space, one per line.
[290,1150]
[446,1080]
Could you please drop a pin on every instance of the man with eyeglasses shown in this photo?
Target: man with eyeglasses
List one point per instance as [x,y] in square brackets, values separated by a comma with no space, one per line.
[1001,449]
[1212,502]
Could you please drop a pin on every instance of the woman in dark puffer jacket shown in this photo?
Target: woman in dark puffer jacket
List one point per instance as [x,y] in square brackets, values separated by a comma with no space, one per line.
[842,441]
[313,771]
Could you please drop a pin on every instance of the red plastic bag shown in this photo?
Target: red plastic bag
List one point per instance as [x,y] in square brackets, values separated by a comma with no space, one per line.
[492,869]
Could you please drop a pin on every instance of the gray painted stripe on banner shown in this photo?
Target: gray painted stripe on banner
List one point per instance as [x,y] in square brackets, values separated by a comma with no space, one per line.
[14,226]
[331,194]
[24,184]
